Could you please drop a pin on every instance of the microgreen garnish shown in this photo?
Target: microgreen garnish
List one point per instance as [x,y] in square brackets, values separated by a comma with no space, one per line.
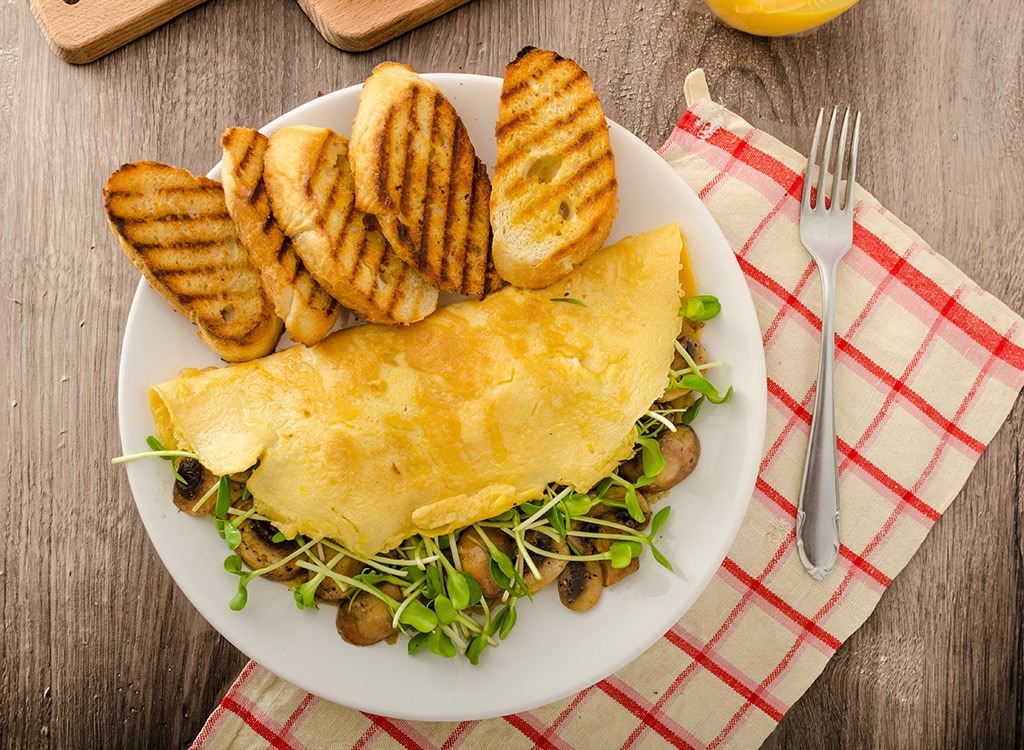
[158,451]
[570,300]
[158,447]
[701,307]
[704,386]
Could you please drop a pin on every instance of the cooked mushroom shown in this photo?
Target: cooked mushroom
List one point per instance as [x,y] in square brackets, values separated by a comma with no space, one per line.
[697,353]
[259,550]
[621,515]
[329,590]
[476,559]
[548,567]
[365,619]
[580,584]
[694,348]
[609,574]
[681,450]
[198,481]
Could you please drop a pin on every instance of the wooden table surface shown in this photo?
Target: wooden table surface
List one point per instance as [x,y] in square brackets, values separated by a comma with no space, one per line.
[100,649]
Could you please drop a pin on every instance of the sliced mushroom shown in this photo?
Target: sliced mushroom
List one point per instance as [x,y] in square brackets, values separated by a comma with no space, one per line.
[331,591]
[198,481]
[694,348]
[609,574]
[259,550]
[697,353]
[548,567]
[621,515]
[631,469]
[476,559]
[580,584]
[365,619]
[681,451]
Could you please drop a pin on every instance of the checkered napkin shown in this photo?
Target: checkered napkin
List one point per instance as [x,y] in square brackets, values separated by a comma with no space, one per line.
[921,351]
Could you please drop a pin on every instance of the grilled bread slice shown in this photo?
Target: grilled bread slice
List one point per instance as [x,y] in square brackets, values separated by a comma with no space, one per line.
[308,310]
[416,171]
[176,230]
[554,194]
[309,181]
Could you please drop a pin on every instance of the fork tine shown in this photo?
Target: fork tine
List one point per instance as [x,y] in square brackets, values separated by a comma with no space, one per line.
[837,180]
[823,172]
[805,201]
[851,182]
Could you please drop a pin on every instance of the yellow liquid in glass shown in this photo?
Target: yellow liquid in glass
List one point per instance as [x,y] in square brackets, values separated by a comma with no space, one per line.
[777,17]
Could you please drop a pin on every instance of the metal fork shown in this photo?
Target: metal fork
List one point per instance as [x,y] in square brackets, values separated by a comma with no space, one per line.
[826,230]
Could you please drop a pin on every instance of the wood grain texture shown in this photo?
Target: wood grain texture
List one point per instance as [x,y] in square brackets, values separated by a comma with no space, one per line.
[99,649]
[360,25]
[79,31]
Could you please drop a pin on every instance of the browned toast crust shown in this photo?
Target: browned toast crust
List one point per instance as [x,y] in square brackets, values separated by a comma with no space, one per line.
[307,308]
[554,193]
[309,182]
[417,171]
[175,228]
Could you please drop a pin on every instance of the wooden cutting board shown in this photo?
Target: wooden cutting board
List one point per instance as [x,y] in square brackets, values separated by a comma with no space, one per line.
[359,25]
[79,31]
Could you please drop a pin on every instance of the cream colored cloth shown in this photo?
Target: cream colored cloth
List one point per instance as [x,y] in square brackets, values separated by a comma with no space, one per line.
[922,352]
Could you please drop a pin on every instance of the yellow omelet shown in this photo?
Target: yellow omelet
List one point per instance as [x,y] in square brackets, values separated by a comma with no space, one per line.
[381,432]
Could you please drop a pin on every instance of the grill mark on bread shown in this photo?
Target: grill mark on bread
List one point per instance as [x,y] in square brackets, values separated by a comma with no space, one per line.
[596,195]
[517,89]
[285,249]
[550,132]
[408,162]
[430,197]
[383,194]
[463,251]
[250,142]
[185,244]
[258,195]
[539,201]
[334,193]
[461,213]
[398,294]
[338,243]
[130,221]
[310,178]
[452,191]
[364,243]
[199,189]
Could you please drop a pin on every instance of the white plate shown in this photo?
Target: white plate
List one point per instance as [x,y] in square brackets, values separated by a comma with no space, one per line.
[552,652]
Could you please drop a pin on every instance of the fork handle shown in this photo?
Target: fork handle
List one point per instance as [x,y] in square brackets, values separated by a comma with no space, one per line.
[817,515]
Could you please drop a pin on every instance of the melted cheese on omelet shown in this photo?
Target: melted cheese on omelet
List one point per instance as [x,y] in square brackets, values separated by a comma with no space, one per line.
[381,432]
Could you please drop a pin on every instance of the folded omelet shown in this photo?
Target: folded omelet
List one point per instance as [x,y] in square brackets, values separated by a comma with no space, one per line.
[381,432]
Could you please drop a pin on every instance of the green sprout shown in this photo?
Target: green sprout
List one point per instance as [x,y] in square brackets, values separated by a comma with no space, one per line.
[701,308]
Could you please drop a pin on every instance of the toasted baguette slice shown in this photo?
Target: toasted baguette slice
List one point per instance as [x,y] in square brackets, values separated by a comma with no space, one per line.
[308,310]
[554,194]
[416,171]
[176,230]
[308,179]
